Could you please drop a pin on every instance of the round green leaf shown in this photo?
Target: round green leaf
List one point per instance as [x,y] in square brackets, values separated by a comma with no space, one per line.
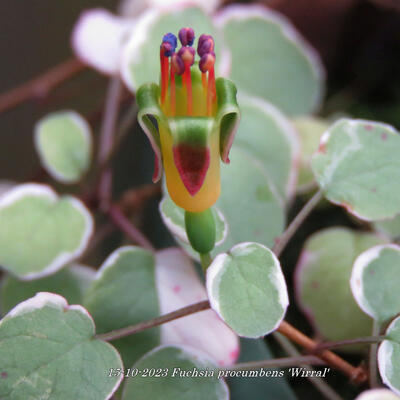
[122,294]
[248,195]
[270,59]
[390,227]
[71,283]
[167,383]
[247,289]
[358,167]
[266,133]
[174,218]
[252,387]
[322,283]
[310,130]
[375,281]
[48,351]
[389,357]
[377,394]
[41,232]
[141,57]
[64,143]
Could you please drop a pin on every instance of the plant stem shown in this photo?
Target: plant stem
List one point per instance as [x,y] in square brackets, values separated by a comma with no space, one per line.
[306,188]
[107,130]
[205,260]
[318,382]
[42,85]
[130,330]
[128,228]
[106,140]
[373,369]
[283,240]
[356,374]
[349,342]
[126,122]
[276,363]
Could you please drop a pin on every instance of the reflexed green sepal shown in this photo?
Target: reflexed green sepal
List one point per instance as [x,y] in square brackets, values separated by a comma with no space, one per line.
[200,229]
[228,115]
[147,100]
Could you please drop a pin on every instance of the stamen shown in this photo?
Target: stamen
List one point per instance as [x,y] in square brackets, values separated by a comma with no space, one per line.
[207,63]
[186,36]
[204,80]
[172,91]
[177,68]
[187,55]
[164,73]
[167,48]
[211,95]
[205,45]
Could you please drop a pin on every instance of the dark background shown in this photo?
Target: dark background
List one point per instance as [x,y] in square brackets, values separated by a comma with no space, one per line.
[359,42]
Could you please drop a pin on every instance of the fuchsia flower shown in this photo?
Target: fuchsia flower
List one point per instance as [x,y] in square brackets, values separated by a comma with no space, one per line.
[190,119]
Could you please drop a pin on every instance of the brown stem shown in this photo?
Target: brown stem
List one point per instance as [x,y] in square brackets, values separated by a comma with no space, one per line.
[106,141]
[349,342]
[130,330]
[276,363]
[373,367]
[100,235]
[134,199]
[319,383]
[42,85]
[126,122]
[283,240]
[111,107]
[356,374]
[123,223]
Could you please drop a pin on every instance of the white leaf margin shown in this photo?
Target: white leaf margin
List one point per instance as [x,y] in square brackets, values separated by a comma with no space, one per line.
[113,258]
[46,299]
[139,34]
[328,173]
[38,190]
[239,12]
[356,280]
[136,40]
[98,38]
[135,7]
[82,126]
[385,352]
[217,268]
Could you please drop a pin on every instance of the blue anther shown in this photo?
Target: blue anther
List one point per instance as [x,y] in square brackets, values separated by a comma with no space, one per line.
[169,43]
